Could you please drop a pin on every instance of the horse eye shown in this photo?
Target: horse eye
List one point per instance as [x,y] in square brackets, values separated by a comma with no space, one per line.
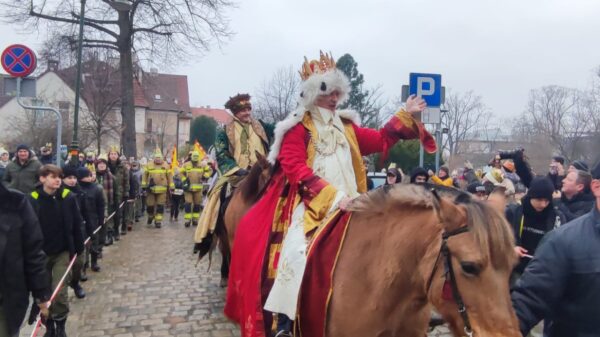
[470,268]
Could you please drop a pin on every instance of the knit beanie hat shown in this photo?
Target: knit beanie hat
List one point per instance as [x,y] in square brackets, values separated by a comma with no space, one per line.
[3,151]
[541,188]
[83,172]
[581,165]
[69,171]
[22,147]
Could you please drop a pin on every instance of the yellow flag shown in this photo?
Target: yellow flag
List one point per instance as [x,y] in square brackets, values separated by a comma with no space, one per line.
[174,162]
[200,149]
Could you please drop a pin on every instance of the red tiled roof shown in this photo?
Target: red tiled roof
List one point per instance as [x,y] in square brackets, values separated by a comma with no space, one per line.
[219,115]
[139,99]
[166,91]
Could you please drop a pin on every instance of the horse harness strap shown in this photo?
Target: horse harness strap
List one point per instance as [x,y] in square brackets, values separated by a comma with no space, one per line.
[449,275]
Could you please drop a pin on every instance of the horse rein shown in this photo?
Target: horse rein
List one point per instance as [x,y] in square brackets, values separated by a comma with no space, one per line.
[449,271]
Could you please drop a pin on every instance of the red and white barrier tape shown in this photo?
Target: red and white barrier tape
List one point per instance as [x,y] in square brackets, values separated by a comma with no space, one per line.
[62,280]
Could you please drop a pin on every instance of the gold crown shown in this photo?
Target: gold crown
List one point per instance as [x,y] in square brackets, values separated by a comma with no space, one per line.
[325,63]
[113,148]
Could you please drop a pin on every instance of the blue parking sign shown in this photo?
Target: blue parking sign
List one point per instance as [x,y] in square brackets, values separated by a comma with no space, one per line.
[426,86]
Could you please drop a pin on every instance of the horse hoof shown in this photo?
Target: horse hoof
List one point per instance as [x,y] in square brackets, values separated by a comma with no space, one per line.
[223,283]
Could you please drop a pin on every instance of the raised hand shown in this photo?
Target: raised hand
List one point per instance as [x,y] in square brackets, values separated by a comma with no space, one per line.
[415,104]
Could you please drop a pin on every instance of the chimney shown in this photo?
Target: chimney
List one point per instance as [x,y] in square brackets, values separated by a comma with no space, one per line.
[153,71]
[52,65]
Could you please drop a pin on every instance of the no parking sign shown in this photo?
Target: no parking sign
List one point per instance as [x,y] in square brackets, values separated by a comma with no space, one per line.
[18,60]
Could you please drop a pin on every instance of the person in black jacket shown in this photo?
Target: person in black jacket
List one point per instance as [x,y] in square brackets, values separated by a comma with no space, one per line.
[94,217]
[61,222]
[533,218]
[575,198]
[562,283]
[70,183]
[22,261]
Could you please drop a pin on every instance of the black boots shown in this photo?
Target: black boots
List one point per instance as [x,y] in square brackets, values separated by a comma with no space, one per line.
[61,328]
[157,224]
[79,292]
[187,223]
[50,328]
[95,266]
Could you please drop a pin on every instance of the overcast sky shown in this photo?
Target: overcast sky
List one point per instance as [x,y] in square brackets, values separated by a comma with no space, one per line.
[499,49]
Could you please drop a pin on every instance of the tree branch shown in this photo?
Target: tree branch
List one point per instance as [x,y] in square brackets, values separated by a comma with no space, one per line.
[100,22]
[92,45]
[72,21]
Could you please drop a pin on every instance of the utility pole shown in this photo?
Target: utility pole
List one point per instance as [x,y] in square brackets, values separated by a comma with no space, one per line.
[75,142]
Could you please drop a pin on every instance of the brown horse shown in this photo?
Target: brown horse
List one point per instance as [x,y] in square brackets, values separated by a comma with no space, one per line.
[247,193]
[407,249]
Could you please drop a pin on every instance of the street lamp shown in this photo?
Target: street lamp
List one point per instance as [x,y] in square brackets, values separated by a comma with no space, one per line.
[119,5]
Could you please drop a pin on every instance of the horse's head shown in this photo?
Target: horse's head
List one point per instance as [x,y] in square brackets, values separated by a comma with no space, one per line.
[473,267]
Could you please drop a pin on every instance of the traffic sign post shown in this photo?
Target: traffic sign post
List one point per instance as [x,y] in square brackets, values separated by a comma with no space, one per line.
[20,61]
[429,88]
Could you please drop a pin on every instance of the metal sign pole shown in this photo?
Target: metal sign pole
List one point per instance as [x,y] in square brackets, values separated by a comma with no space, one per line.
[438,132]
[421,155]
[44,108]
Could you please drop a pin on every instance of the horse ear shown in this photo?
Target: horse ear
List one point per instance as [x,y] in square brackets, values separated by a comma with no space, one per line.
[450,215]
[497,199]
[259,156]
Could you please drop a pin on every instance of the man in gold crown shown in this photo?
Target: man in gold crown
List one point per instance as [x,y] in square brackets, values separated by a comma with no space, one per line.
[236,147]
[157,180]
[195,173]
[317,153]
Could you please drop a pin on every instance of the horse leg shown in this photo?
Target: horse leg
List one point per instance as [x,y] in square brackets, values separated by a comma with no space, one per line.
[221,234]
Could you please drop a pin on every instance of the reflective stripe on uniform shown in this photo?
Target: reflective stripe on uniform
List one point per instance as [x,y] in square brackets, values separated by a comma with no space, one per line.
[158,189]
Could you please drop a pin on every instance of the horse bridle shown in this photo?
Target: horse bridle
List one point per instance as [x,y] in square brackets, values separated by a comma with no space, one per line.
[449,271]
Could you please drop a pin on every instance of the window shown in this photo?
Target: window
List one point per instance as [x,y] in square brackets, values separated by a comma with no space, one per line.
[149,125]
[157,98]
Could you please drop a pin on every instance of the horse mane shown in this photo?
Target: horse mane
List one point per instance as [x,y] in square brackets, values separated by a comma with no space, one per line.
[249,187]
[490,228]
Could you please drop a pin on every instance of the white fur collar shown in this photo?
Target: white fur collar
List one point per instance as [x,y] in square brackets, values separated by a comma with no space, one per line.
[296,117]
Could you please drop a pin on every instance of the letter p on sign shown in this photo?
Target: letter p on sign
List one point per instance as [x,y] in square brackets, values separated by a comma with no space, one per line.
[428,87]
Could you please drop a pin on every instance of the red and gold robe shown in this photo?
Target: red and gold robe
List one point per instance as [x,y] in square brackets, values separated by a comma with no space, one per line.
[260,233]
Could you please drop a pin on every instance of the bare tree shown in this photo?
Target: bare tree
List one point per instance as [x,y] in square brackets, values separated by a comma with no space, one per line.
[372,108]
[564,116]
[465,114]
[101,93]
[277,96]
[156,29]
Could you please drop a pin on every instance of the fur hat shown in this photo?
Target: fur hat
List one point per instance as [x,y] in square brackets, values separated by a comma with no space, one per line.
[321,77]
[238,103]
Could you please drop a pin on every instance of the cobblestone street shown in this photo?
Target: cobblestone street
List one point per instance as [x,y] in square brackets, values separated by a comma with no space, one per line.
[149,286]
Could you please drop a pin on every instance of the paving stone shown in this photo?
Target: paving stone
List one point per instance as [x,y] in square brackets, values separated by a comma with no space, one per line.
[149,286]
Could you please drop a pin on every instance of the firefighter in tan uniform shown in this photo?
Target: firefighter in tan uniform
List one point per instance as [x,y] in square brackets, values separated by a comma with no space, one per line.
[157,180]
[195,173]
